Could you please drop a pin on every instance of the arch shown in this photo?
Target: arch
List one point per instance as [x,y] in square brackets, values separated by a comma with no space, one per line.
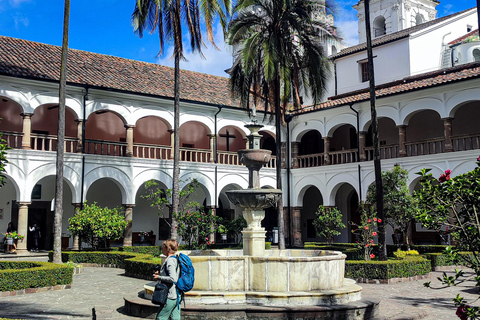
[153,111]
[410,109]
[16,96]
[311,143]
[10,115]
[207,184]
[267,181]
[105,125]
[206,122]
[150,174]
[379,26]
[232,179]
[459,99]
[70,176]
[231,138]
[116,175]
[99,106]
[194,134]
[337,121]
[419,18]
[45,120]
[382,112]
[476,54]
[51,98]
[303,127]
[11,180]
[336,182]
[303,184]
[152,130]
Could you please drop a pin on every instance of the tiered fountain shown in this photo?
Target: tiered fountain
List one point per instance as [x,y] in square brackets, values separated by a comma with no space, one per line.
[260,284]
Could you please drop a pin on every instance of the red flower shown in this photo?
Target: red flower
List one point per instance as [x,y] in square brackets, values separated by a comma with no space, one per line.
[176,227]
[374,233]
[448,171]
[366,227]
[208,242]
[371,241]
[442,178]
[462,312]
[369,220]
[372,255]
[199,219]
[379,220]
[375,219]
[478,159]
[367,245]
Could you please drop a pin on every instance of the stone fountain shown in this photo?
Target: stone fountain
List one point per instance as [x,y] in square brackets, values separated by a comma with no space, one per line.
[266,284]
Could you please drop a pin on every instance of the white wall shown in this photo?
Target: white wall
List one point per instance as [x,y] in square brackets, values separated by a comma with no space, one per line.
[426,46]
[390,62]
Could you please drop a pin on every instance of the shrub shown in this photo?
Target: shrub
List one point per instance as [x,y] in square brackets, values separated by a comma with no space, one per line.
[409,267]
[328,222]
[113,258]
[153,250]
[400,254]
[17,275]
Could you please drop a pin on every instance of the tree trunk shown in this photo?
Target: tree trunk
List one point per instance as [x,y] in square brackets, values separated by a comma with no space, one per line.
[278,166]
[382,248]
[176,151]
[57,224]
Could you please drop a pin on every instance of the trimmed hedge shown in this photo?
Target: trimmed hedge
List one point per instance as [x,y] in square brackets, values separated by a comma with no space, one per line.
[18,275]
[153,250]
[115,258]
[440,260]
[409,267]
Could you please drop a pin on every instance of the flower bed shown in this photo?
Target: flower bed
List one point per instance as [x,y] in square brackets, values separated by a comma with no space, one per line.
[18,275]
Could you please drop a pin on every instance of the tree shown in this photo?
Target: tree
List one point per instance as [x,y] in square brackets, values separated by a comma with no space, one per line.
[328,222]
[57,223]
[382,243]
[169,18]
[93,223]
[279,54]
[454,202]
[399,204]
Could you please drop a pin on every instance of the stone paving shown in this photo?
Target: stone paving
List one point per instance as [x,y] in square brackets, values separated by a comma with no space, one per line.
[103,289]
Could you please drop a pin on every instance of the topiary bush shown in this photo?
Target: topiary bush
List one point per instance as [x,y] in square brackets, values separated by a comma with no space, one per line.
[18,275]
[438,259]
[112,258]
[153,250]
[409,267]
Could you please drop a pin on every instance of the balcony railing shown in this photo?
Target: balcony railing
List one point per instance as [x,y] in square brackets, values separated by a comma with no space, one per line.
[386,152]
[344,156]
[425,147]
[466,142]
[151,151]
[105,148]
[13,139]
[46,142]
[309,160]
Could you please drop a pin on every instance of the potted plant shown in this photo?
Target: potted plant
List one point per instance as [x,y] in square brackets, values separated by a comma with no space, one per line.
[223,231]
[143,235]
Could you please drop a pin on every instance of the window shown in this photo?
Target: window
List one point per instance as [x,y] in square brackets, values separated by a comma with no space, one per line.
[334,50]
[364,71]
[469,28]
[476,55]
[419,19]
[379,26]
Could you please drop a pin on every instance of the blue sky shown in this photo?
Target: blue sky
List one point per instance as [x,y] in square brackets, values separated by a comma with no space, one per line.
[104,26]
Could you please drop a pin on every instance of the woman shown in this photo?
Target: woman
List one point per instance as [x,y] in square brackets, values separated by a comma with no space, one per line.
[169,275]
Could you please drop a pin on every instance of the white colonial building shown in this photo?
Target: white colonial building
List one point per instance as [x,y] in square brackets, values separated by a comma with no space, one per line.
[119,123]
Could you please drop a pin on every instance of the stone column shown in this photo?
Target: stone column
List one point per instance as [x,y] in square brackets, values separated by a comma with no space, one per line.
[27,130]
[297,227]
[361,137]
[127,234]
[212,147]
[79,135]
[76,238]
[22,227]
[212,234]
[282,160]
[326,152]
[295,146]
[447,134]
[402,137]
[247,144]
[129,152]
[172,144]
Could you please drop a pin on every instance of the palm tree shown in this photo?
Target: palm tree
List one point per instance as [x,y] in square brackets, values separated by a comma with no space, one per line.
[169,18]
[278,55]
[57,222]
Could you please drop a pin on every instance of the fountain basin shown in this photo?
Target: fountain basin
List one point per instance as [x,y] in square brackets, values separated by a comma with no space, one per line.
[254,157]
[254,199]
[281,277]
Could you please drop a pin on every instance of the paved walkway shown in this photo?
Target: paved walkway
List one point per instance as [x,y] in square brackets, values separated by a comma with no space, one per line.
[103,289]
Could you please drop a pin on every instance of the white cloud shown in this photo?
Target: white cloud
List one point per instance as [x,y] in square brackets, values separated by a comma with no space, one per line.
[215,62]
[447,9]
[17,3]
[347,22]
[20,21]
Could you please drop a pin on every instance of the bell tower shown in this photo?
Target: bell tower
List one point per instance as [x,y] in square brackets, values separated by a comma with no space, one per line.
[389,16]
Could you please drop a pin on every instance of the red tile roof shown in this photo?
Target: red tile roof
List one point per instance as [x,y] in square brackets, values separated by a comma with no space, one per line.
[33,60]
[422,81]
[394,36]
[462,38]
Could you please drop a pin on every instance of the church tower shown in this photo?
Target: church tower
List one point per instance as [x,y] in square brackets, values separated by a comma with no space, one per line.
[389,16]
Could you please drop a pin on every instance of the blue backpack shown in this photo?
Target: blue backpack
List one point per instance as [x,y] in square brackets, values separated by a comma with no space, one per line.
[186,277]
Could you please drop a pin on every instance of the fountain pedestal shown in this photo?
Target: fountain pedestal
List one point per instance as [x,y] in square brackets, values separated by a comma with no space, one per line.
[254,242]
